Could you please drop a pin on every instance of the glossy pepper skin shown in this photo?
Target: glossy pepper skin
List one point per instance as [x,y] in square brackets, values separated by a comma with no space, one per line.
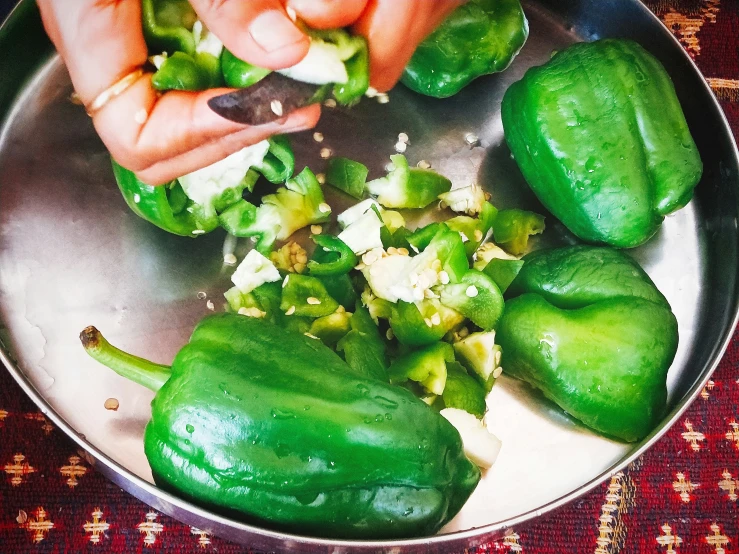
[166,206]
[587,327]
[274,427]
[478,38]
[600,136]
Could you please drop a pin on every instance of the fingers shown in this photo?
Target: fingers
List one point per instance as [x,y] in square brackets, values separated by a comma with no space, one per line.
[258,31]
[328,14]
[164,138]
[393,34]
[100,41]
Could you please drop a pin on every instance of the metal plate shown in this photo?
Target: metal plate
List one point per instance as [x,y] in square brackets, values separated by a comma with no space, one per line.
[72,254]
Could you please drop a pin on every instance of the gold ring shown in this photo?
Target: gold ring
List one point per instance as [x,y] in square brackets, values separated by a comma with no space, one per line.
[113,91]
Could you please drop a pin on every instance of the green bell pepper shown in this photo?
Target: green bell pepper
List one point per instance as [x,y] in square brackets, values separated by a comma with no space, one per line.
[478,38]
[296,205]
[363,348]
[481,356]
[342,265]
[336,60]
[187,57]
[426,366]
[475,230]
[587,327]
[476,297]
[503,272]
[347,176]
[422,323]
[600,137]
[332,328]
[273,426]
[406,187]
[170,208]
[303,295]
[463,392]
[513,228]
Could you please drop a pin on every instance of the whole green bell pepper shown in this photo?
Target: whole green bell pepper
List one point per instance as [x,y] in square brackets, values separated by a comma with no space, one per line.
[587,327]
[273,426]
[600,136]
[169,208]
[478,38]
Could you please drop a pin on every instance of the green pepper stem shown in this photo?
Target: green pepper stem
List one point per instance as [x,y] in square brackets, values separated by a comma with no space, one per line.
[138,370]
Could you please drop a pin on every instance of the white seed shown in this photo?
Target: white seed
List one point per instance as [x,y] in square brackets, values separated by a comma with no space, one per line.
[497,357]
[330,103]
[291,13]
[389,334]
[136,198]
[403,252]
[209,304]
[444,277]
[316,229]
[371,92]
[290,310]
[390,167]
[202,295]
[252,312]
[436,319]
[371,257]
[400,147]
[360,266]
[141,116]
[112,404]
[321,178]
[313,301]
[471,291]
[318,137]
[276,107]
[478,235]
[423,164]
[403,137]
[325,153]
[198,232]
[324,208]
[498,372]
[284,282]
[428,322]
[382,98]
[229,259]
[471,139]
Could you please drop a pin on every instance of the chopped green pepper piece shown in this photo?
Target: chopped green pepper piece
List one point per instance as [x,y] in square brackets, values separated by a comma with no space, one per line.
[303,295]
[346,261]
[332,328]
[513,228]
[417,324]
[476,297]
[279,163]
[167,25]
[363,347]
[475,230]
[426,366]
[240,74]
[478,38]
[503,272]
[348,176]
[480,355]
[406,187]
[421,238]
[180,71]
[463,392]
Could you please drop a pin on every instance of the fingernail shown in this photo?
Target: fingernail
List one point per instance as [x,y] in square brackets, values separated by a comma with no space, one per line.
[273,31]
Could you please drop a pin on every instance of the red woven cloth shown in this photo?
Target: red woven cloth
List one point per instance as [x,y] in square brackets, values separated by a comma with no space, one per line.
[682,496]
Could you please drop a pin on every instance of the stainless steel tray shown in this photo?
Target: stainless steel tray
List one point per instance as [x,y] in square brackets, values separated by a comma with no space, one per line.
[72,254]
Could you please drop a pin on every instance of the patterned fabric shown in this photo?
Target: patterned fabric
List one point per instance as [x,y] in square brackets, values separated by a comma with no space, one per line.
[682,496]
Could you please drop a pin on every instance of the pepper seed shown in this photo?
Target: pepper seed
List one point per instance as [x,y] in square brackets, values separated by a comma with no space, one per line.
[325,153]
[498,372]
[229,259]
[472,139]
[316,229]
[423,164]
[324,208]
[112,404]
[478,235]
[401,147]
[276,107]
[290,310]
[444,277]
[330,103]
[321,178]
[428,322]
[389,334]
[318,137]
[471,291]
[436,319]
[313,301]
[209,304]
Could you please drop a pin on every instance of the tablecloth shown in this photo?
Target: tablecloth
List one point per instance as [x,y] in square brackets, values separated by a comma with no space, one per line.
[682,496]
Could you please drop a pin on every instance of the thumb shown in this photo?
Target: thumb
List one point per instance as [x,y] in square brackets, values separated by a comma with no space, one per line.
[258,31]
